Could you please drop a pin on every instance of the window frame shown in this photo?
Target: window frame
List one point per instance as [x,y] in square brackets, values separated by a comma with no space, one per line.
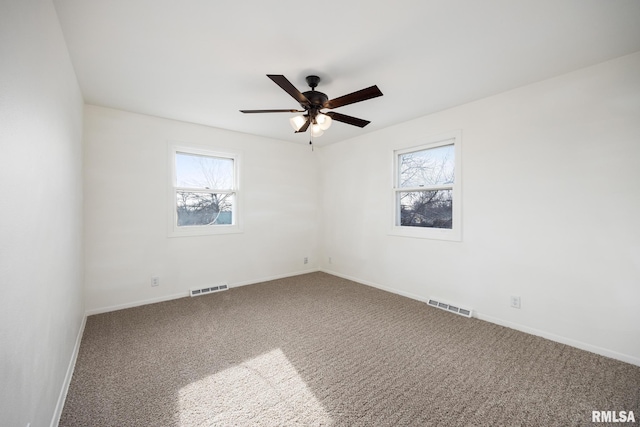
[174,230]
[455,232]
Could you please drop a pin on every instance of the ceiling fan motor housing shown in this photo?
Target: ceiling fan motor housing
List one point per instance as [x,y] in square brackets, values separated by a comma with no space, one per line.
[316,99]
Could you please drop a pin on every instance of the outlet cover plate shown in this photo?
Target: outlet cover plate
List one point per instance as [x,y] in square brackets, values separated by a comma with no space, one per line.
[515,302]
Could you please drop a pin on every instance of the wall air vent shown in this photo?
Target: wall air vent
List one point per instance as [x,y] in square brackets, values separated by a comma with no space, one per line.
[449,307]
[194,292]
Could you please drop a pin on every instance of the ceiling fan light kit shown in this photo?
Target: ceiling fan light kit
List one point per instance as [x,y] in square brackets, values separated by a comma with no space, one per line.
[323,121]
[297,122]
[313,102]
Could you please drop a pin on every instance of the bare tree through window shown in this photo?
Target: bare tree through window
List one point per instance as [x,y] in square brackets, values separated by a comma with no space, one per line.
[204,190]
[426,179]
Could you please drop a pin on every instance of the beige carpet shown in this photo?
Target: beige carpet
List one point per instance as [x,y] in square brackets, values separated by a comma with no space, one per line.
[320,350]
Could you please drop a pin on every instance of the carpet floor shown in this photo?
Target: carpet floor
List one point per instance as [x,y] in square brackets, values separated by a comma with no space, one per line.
[318,350]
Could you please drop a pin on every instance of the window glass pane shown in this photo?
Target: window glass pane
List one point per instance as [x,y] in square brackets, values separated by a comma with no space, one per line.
[426,209]
[196,208]
[434,166]
[195,171]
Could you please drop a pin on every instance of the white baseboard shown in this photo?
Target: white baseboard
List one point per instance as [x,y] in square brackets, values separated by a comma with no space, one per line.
[376,285]
[117,307]
[562,340]
[67,378]
[276,277]
[548,335]
[186,293]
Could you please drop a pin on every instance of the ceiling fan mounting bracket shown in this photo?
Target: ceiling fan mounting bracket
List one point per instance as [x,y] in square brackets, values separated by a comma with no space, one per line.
[313,81]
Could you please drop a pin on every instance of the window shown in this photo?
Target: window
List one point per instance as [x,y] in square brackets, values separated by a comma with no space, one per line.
[204,192]
[426,193]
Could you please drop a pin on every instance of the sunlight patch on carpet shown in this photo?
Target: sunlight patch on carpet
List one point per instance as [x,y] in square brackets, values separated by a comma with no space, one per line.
[266,389]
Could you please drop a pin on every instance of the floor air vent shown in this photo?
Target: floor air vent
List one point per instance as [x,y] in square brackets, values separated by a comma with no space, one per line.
[449,307]
[208,290]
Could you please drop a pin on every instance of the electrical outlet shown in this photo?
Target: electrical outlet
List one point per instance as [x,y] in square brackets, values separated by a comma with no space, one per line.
[330,260]
[515,302]
[155,281]
[306,260]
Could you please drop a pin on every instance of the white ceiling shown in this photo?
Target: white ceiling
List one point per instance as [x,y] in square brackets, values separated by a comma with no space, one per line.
[201,61]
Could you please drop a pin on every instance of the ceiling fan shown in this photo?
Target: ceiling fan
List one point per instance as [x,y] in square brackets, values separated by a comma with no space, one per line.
[313,102]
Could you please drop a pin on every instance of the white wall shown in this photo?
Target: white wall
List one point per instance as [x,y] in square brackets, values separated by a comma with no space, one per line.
[41,297]
[551,208]
[551,197]
[126,211]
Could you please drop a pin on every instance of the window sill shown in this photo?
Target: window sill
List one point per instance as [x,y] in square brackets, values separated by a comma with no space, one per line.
[427,233]
[205,230]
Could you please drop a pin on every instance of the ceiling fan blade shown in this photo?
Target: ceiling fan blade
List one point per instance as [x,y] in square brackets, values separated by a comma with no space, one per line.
[347,119]
[361,95]
[305,126]
[272,111]
[286,85]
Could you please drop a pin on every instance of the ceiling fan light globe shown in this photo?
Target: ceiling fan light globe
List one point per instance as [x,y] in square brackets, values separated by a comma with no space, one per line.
[297,122]
[323,121]
[316,131]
